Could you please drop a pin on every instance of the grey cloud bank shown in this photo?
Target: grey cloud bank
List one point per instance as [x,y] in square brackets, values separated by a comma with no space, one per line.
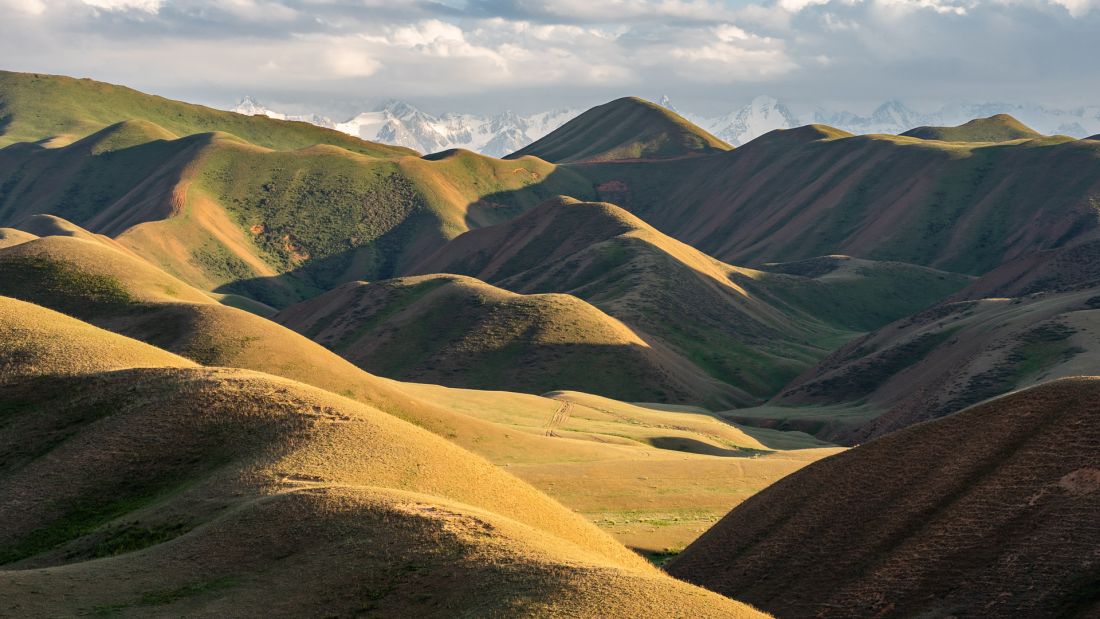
[338,58]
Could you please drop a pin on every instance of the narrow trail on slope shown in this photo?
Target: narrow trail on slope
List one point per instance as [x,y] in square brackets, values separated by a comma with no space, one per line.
[559,417]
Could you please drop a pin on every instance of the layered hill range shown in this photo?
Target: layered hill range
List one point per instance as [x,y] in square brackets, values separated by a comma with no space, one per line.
[277,212]
[165,459]
[151,411]
[554,442]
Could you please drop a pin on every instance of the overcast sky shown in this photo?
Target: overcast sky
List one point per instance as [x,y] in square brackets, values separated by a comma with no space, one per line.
[334,56]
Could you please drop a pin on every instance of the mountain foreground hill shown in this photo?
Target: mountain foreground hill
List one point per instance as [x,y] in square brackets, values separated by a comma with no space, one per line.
[1029,321]
[988,512]
[57,110]
[280,479]
[627,128]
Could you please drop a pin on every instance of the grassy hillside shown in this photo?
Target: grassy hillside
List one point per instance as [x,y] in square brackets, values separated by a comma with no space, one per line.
[627,128]
[996,128]
[458,331]
[37,342]
[983,512]
[230,215]
[57,110]
[523,432]
[751,329]
[288,484]
[939,361]
[961,207]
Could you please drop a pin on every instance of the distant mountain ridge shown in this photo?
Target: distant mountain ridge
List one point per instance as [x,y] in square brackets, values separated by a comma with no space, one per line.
[403,124]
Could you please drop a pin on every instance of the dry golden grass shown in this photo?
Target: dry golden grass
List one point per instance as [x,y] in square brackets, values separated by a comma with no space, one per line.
[141,281]
[12,236]
[507,428]
[37,341]
[654,479]
[214,492]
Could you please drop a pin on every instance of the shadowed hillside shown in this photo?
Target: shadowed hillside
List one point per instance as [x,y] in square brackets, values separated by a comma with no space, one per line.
[997,128]
[989,512]
[461,332]
[627,128]
[359,511]
[796,194]
[1071,267]
[752,329]
[937,362]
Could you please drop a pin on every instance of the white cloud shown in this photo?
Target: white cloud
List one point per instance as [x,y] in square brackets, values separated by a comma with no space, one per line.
[1078,8]
[351,49]
[147,6]
[24,7]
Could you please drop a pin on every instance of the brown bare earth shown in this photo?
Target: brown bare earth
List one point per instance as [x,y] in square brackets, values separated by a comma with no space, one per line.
[987,513]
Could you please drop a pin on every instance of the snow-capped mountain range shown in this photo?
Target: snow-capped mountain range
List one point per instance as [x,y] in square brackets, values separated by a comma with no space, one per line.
[403,124]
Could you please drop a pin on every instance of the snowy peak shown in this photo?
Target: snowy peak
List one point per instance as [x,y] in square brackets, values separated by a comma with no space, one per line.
[761,115]
[402,123]
[250,107]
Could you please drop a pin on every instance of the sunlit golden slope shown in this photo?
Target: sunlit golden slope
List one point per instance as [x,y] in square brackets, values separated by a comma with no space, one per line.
[219,492]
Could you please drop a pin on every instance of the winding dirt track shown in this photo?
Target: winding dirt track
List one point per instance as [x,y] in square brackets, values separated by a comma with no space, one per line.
[559,417]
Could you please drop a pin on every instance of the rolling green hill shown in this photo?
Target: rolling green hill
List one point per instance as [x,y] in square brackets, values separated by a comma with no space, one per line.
[627,128]
[996,128]
[271,210]
[57,110]
[546,441]
[458,331]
